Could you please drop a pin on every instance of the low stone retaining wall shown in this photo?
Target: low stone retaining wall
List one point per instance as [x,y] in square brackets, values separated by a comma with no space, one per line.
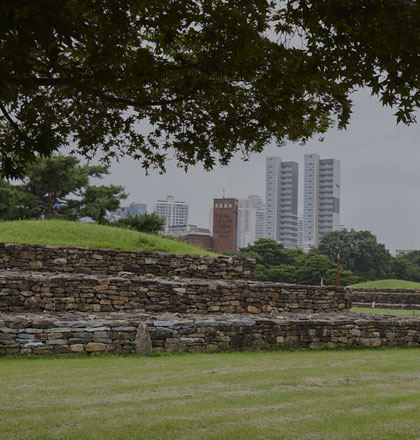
[29,257]
[121,333]
[386,298]
[26,291]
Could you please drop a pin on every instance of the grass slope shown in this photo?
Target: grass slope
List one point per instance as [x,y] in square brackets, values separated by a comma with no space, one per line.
[352,394]
[65,233]
[395,284]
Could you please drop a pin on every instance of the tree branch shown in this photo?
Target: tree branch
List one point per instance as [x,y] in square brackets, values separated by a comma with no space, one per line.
[135,103]
[12,122]
[100,94]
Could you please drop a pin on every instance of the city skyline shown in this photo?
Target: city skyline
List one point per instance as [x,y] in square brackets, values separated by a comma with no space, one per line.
[279,170]
[276,217]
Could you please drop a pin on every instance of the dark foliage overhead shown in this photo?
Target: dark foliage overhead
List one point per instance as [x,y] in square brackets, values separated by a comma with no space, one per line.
[197,80]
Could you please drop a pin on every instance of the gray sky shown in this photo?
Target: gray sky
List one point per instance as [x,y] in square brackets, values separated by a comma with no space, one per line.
[380,176]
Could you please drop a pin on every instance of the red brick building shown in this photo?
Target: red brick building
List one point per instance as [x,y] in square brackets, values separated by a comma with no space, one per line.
[203,241]
[225,225]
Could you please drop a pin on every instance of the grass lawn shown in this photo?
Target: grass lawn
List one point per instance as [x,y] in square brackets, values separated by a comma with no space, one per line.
[397,312]
[354,394]
[394,284]
[65,233]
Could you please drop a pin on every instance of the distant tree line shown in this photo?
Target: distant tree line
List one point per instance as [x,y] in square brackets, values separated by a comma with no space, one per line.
[362,258]
[407,266]
[276,263]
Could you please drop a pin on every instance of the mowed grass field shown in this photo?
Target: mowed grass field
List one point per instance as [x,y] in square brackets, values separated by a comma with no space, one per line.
[393,284]
[396,312]
[357,394]
[67,233]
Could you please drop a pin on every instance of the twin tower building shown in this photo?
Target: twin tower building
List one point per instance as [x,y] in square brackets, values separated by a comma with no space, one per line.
[236,223]
[321,201]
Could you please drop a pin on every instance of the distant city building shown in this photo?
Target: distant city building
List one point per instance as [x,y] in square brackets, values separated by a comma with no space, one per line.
[86,220]
[311,201]
[281,201]
[128,211]
[211,220]
[122,212]
[192,234]
[300,232]
[257,224]
[200,240]
[321,198]
[137,209]
[225,225]
[251,220]
[173,211]
[402,251]
[182,231]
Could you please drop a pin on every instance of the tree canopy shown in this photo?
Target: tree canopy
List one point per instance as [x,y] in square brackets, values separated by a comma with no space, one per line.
[407,266]
[360,252]
[59,187]
[197,80]
[276,263]
[149,223]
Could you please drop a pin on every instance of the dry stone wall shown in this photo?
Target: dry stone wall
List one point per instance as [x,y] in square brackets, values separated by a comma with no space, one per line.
[120,333]
[76,300]
[30,257]
[386,298]
[23,291]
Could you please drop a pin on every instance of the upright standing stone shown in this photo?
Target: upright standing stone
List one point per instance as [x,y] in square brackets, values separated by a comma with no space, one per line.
[143,342]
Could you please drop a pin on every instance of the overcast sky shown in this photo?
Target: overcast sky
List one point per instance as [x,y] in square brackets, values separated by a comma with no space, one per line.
[380,176]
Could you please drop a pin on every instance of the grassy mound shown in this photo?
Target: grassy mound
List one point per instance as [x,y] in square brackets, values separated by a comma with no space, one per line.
[393,284]
[66,233]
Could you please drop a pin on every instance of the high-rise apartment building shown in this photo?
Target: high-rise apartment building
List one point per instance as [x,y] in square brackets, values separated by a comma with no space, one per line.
[281,199]
[225,225]
[257,225]
[300,232]
[311,201]
[321,198]
[251,220]
[173,211]
[329,196]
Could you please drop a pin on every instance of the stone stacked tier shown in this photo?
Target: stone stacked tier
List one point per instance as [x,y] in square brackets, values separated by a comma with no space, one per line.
[29,291]
[386,298]
[34,257]
[140,333]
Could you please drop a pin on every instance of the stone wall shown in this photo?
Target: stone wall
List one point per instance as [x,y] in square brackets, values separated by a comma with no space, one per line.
[29,257]
[76,300]
[386,298]
[119,333]
[30,291]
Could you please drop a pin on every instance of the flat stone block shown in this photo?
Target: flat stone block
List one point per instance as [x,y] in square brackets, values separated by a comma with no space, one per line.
[77,348]
[95,347]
